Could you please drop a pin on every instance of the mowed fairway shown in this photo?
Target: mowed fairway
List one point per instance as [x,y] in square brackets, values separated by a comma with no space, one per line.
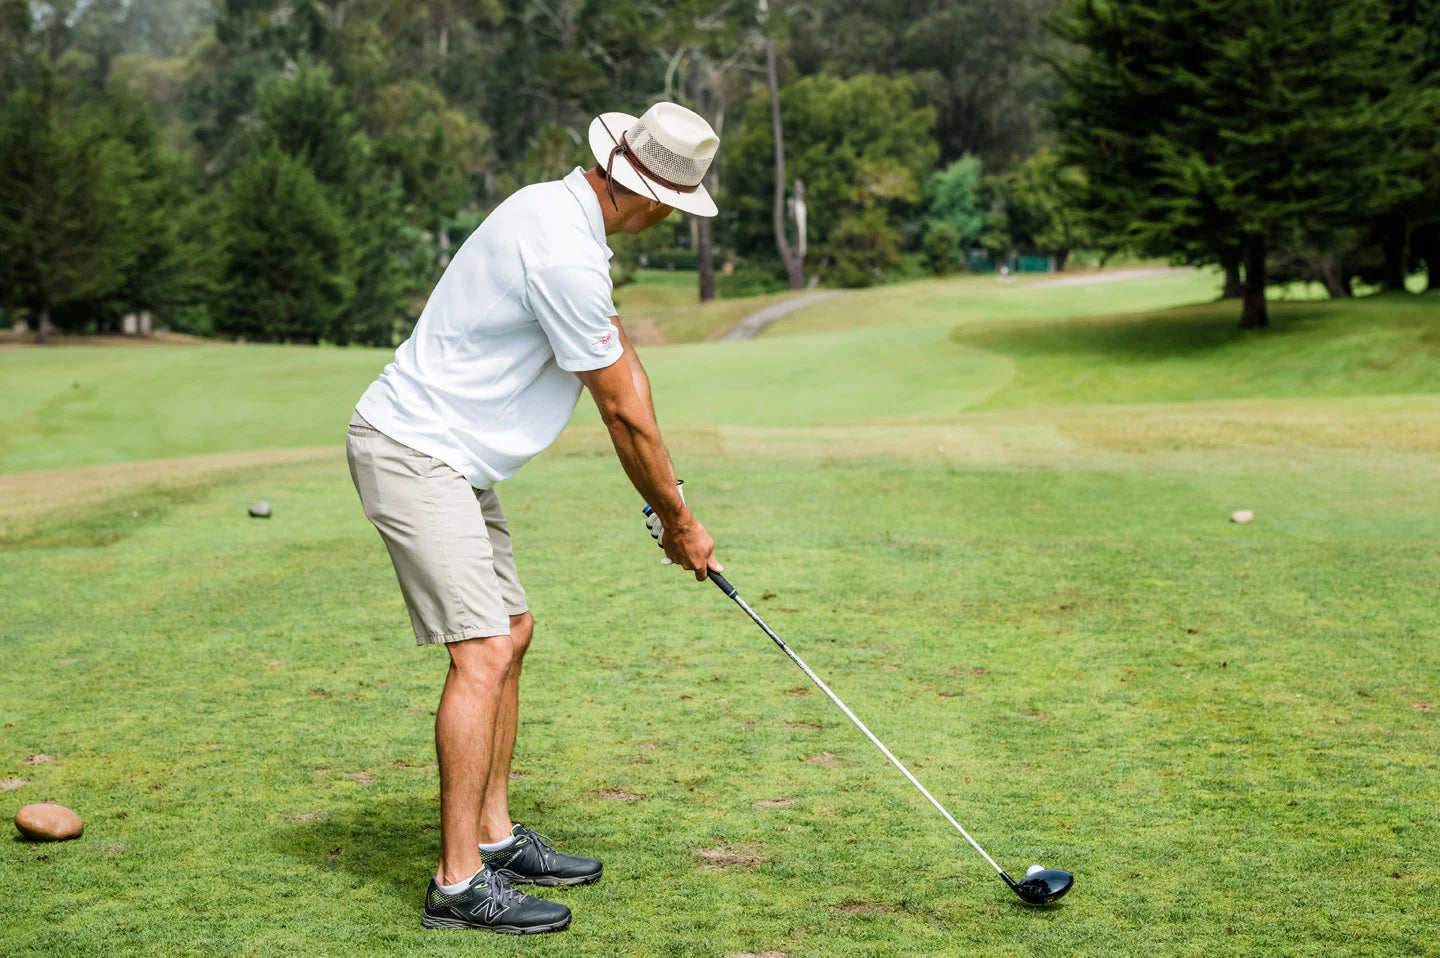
[1004,543]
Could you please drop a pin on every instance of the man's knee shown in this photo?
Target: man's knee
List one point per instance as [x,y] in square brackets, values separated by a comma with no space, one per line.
[522,627]
[482,660]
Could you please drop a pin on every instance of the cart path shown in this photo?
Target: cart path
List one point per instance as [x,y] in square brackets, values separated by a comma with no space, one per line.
[752,325]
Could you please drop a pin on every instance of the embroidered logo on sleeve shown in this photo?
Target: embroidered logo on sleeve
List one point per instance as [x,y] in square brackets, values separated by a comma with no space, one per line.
[604,340]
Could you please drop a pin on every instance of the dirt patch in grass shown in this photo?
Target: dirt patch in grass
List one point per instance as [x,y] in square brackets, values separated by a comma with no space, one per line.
[306,817]
[803,725]
[743,855]
[775,803]
[28,495]
[616,795]
[10,784]
[9,339]
[759,954]
[824,760]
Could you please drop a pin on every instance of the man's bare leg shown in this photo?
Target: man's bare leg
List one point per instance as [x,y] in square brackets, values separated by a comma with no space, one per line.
[464,735]
[495,821]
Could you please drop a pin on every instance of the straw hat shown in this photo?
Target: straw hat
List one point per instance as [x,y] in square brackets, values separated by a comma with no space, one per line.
[662,155]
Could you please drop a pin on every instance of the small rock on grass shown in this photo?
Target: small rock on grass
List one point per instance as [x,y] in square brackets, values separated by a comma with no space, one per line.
[1242,516]
[260,510]
[48,822]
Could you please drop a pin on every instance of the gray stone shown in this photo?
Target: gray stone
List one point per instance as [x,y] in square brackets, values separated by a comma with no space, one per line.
[260,510]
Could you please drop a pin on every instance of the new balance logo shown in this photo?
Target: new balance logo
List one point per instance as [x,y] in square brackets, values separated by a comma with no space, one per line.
[489,910]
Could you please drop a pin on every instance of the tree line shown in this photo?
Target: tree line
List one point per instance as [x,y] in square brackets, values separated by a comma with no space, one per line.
[300,171]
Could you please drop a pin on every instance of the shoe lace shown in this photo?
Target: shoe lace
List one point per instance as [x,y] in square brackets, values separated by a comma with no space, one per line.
[503,891]
[543,844]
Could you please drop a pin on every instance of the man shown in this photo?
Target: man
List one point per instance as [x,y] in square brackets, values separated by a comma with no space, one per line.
[520,320]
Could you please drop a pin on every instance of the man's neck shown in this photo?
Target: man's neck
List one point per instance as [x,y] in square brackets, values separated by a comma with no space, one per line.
[608,213]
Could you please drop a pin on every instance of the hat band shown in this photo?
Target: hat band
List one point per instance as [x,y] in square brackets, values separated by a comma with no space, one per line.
[622,145]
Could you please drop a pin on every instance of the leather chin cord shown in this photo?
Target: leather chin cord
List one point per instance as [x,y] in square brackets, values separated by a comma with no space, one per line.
[622,145]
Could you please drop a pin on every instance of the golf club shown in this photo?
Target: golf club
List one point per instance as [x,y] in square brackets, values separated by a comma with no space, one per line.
[1039,887]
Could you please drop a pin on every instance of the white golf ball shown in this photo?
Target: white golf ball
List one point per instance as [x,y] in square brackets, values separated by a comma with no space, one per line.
[1032,870]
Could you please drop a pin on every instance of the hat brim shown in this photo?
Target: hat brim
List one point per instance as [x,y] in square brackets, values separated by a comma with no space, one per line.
[698,202]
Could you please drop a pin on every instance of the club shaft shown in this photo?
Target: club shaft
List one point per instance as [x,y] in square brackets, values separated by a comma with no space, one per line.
[730,591]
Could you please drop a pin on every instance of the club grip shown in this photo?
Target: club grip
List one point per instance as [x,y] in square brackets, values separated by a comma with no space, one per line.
[722,582]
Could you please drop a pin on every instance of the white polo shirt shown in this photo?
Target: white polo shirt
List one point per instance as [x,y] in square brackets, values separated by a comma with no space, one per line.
[487,381]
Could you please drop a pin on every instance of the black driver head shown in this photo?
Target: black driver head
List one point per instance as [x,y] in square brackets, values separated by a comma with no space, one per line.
[1043,887]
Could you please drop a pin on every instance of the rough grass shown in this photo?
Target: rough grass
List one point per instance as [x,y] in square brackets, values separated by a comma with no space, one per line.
[1027,586]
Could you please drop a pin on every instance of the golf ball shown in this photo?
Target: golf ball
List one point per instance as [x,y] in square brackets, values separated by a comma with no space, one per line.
[1032,870]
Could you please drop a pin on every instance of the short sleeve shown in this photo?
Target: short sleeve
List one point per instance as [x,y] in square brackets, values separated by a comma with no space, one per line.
[574,308]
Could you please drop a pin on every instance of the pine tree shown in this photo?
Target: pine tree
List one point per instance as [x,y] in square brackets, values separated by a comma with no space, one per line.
[68,224]
[1410,232]
[306,119]
[283,262]
[1209,127]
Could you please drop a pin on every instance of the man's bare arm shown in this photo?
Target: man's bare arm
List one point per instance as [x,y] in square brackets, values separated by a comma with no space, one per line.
[637,371]
[622,394]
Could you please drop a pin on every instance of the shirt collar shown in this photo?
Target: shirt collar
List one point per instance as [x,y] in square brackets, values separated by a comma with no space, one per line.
[579,187]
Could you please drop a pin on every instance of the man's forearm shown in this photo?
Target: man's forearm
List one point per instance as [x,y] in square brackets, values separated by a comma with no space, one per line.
[636,436]
[642,453]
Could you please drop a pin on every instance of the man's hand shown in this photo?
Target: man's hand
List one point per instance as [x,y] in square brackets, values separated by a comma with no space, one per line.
[697,562]
[691,547]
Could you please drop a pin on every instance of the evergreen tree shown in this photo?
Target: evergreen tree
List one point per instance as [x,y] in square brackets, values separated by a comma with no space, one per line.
[1208,127]
[1408,234]
[69,229]
[306,118]
[174,261]
[955,199]
[284,276]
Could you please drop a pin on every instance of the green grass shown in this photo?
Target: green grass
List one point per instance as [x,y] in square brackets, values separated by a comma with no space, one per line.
[1380,346]
[1004,545]
[970,299]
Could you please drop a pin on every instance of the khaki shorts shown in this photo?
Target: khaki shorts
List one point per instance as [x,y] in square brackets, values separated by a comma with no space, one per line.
[448,540]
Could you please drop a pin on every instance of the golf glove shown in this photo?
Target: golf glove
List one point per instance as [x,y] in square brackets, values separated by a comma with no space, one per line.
[652,521]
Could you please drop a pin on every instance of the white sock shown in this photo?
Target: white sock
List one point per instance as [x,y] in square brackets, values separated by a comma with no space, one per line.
[498,846]
[458,887]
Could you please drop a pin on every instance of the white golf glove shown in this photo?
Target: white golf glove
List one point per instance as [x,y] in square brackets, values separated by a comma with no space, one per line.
[657,530]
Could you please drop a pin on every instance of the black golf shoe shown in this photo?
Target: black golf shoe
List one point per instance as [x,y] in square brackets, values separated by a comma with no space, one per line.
[490,904]
[532,860]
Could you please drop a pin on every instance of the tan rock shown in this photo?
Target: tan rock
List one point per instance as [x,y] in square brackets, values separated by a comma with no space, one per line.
[1242,516]
[47,822]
